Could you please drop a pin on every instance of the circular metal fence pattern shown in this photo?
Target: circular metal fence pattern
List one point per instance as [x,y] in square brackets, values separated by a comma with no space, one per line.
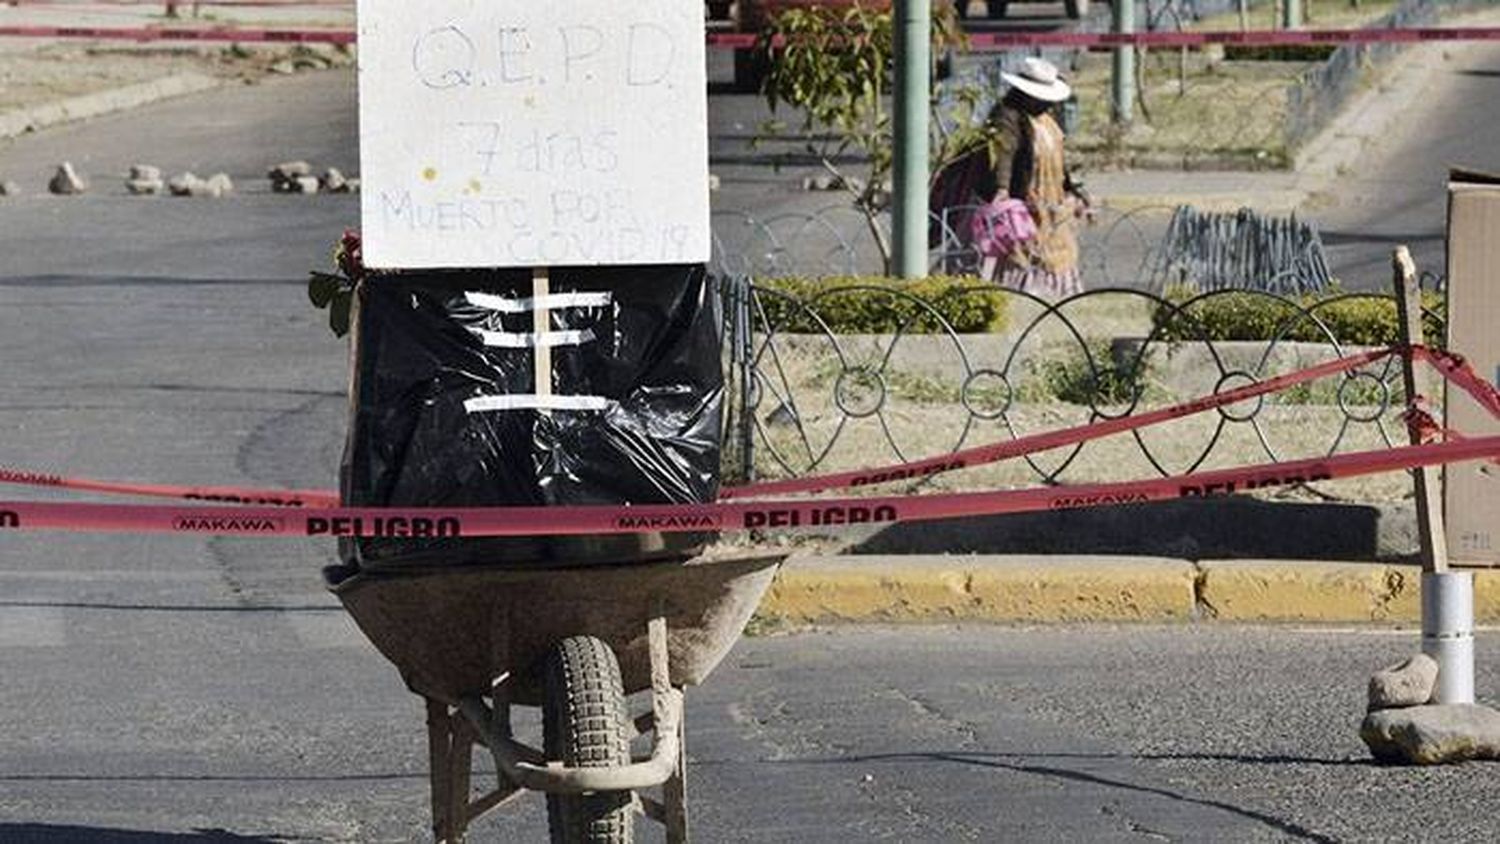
[812,399]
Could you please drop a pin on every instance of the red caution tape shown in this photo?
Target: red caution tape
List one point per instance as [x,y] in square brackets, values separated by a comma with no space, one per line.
[991,41]
[553,521]
[216,494]
[75,4]
[1457,370]
[981,41]
[152,34]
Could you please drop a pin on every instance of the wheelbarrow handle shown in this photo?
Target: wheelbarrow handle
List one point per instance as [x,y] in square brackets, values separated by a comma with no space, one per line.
[521,764]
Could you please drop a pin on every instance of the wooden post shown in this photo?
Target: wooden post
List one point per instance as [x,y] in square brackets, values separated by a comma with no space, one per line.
[1430,534]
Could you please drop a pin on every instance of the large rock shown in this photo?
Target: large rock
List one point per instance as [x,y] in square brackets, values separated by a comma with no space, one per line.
[66,181]
[189,184]
[290,176]
[144,173]
[334,181]
[9,188]
[219,184]
[1434,734]
[1409,684]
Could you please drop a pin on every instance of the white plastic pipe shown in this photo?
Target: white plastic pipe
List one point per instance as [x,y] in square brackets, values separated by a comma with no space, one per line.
[1448,632]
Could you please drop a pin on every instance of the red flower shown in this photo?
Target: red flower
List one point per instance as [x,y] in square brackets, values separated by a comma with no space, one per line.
[349,258]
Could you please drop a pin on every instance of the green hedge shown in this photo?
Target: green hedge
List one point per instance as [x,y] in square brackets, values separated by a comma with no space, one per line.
[1279,53]
[1356,321]
[876,305]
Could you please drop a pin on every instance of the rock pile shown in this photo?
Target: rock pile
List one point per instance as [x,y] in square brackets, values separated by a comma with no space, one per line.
[293,177]
[1401,726]
[189,184]
[297,177]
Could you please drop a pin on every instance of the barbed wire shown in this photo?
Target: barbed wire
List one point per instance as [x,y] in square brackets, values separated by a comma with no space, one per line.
[1148,247]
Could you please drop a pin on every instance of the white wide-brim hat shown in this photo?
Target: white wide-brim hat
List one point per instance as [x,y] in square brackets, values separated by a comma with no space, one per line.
[1039,78]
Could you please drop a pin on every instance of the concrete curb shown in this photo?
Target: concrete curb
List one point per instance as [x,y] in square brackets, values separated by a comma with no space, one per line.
[38,117]
[1016,589]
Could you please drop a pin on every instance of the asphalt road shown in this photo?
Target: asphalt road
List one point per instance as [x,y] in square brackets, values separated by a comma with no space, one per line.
[183,689]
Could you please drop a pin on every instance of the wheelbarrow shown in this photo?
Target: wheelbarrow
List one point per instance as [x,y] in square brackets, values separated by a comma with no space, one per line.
[474,642]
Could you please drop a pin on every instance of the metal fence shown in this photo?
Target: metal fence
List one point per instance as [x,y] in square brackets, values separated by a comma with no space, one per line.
[807,399]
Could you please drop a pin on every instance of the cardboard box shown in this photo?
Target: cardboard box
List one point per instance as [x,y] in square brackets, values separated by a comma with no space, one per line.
[1471,491]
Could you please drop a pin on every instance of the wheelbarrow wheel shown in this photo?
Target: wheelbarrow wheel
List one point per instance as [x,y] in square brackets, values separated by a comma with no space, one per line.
[584,720]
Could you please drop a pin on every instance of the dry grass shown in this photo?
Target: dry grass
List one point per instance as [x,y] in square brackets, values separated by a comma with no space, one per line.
[1191,103]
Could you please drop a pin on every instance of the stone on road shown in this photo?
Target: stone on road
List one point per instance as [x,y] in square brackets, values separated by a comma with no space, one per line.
[1433,735]
[66,181]
[1408,684]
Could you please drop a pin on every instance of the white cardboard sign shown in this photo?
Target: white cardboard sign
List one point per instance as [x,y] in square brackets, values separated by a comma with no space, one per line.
[511,133]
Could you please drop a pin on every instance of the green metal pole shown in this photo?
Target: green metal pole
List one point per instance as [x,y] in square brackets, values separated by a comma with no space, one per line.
[1123,90]
[913,59]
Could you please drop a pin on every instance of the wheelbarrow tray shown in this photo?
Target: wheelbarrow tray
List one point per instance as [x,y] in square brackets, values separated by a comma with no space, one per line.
[451,633]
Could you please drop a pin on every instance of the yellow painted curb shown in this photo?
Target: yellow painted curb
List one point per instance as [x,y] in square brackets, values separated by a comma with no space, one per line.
[1277,590]
[1266,590]
[1487,596]
[994,589]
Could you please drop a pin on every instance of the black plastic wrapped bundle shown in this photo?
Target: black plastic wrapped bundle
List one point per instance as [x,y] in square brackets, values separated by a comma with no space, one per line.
[446,412]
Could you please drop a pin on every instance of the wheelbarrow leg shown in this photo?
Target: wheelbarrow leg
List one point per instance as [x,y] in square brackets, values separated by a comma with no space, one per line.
[450,755]
[460,765]
[439,754]
[674,790]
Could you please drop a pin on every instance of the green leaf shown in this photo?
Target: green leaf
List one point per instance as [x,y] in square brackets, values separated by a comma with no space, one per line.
[338,312]
[322,287]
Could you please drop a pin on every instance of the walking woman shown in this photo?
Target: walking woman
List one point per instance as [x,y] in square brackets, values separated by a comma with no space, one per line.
[1027,167]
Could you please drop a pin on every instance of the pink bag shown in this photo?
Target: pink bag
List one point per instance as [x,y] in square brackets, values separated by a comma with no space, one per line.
[1000,225]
